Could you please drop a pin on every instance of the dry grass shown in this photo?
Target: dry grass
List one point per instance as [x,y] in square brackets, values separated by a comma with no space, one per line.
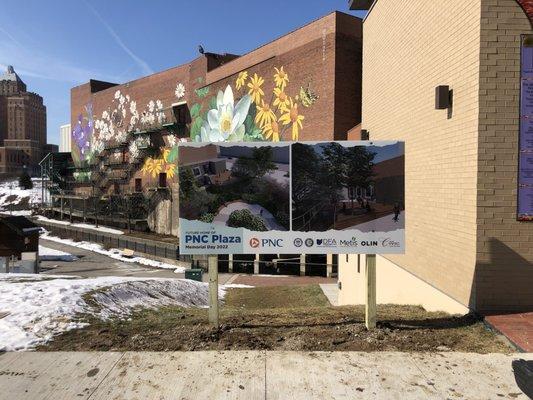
[284,318]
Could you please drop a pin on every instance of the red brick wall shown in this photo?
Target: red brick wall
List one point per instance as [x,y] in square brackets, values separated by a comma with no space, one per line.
[527,5]
[320,58]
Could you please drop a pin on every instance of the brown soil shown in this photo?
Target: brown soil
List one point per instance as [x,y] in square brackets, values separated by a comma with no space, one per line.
[284,318]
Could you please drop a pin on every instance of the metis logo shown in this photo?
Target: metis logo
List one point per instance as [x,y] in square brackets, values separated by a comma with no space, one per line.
[254,243]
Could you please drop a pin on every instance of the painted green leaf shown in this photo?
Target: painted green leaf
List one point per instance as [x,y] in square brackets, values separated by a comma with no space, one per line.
[213,103]
[195,110]
[202,92]
[196,126]
[173,155]
[248,124]
[252,111]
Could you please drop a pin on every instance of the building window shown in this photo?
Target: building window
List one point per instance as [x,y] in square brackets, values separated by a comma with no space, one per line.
[138,185]
[196,171]
[162,179]
[181,113]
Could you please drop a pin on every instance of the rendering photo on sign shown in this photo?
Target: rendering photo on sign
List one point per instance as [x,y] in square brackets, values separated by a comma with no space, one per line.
[312,197]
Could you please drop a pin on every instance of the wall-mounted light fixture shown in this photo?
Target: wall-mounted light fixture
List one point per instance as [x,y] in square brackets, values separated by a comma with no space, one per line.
[442,97]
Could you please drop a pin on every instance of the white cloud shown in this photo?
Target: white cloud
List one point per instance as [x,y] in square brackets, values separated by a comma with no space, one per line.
[33,63]
[140,62]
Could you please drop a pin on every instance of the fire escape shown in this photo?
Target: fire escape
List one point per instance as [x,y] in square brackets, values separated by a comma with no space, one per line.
[101,191]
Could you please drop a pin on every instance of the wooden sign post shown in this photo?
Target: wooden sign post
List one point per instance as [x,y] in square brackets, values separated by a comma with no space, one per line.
[370,303]
[212,263]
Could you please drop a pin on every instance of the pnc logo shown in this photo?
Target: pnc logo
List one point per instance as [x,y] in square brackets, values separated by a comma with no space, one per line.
[254,243]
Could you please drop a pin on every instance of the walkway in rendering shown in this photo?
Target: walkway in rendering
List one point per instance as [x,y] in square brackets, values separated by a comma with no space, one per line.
[270,222]
[257,375]
[382,224]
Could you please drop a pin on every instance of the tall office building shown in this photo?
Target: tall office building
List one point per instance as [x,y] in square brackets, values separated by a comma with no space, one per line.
[22,126]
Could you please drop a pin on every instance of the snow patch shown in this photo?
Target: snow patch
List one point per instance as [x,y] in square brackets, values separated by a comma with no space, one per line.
[12,194]
[80,225]
[48,254]
[39,310]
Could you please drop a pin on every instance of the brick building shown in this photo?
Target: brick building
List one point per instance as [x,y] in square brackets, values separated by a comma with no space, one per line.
[22,126]
[465,245]
[124,136]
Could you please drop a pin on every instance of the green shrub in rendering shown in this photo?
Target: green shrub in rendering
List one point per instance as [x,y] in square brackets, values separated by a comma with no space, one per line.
[245,219]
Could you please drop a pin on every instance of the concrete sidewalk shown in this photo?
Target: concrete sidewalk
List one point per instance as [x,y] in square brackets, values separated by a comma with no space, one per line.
[254,375]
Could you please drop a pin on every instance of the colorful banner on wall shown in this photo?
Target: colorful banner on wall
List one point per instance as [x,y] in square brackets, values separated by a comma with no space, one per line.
[525,162]
[291,197]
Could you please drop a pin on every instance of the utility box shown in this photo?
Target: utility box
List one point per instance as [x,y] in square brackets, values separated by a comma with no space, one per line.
[194,274]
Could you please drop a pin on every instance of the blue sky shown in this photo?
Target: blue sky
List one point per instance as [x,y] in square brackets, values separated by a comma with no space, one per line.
[55,45]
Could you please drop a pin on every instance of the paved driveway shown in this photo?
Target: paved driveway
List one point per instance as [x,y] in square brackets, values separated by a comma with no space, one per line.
[91,264]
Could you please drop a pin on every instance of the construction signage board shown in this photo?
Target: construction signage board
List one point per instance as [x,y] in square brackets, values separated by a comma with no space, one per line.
[289,198]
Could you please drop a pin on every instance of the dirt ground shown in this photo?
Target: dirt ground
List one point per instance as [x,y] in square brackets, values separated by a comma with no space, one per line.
[284,318]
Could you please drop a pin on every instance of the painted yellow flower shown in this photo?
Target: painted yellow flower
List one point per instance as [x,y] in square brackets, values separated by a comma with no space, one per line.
[264,115]
[164,154]
[282,100]
[146,165]
[281,78]
[241,79]
[152,166]
[170,169]
[291,116]
[255,88]
[271,130]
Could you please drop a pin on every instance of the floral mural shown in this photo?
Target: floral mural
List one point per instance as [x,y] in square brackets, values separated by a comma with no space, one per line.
[82,136]
[251,108]
[248,112]
[115,126]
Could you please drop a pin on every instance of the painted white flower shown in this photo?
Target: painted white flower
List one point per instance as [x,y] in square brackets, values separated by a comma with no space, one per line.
[105,115]
[171,139]
[133,150]
[226,121]
[133,107]
[128,97]
[121,136]
[97,145]
[180,90]
[117,94]
[133,121]
[122,99]
[123,113]
[159,104]
[208,135]
[151,106]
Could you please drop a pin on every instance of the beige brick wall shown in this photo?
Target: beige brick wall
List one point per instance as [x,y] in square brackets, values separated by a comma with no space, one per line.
[409,49]
[504,271]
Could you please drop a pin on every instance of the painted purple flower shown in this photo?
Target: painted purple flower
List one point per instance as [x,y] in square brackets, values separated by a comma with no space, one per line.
[82,132]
